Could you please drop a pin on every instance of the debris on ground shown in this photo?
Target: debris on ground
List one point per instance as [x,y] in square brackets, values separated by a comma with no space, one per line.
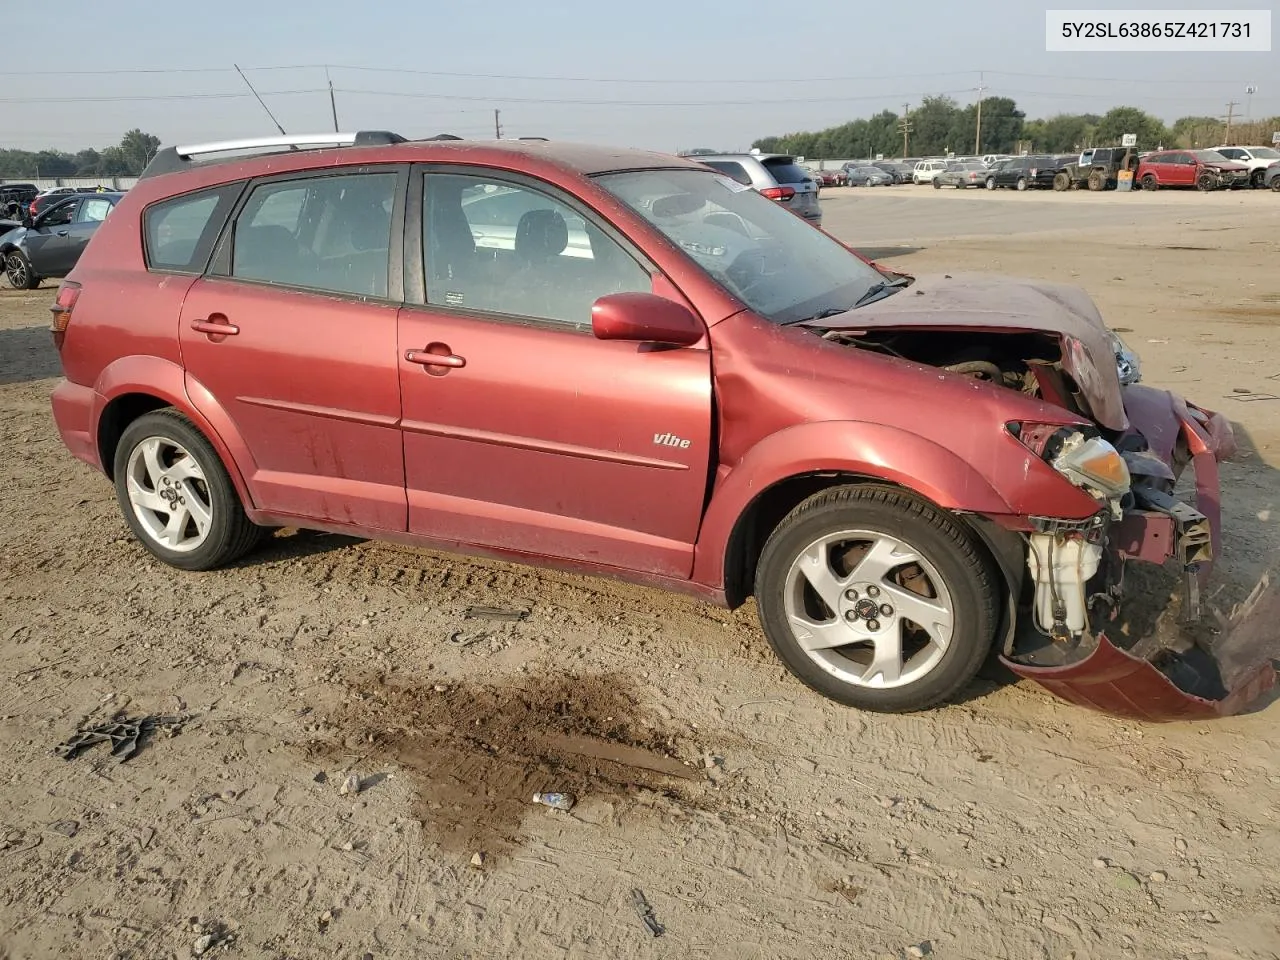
[918,950]
[68,828]
[124,735]
[202,945]
[557,801]
[477,859]
[350,786]
[645,912]
[495,613]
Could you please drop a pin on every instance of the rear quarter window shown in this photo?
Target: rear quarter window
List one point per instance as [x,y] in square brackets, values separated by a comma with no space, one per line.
[179,233]
[786,171]
[731,169]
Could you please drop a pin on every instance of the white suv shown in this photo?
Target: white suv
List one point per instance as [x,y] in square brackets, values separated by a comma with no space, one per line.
[926,170]
[1257,159]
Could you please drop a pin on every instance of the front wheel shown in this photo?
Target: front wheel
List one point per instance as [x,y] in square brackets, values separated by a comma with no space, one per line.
[876,599]
[1061,181]
[936,184]
[176,495]
[1021,184]
[991,183]
[1149,182]
[18,269]
[1206,182]
[1256,178]
[1275,184]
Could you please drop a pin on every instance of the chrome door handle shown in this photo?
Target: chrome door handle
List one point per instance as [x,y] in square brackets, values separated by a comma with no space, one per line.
[426,359]
[215,328]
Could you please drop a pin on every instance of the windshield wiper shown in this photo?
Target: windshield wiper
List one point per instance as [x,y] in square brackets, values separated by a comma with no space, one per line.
[820,315]
[878,291]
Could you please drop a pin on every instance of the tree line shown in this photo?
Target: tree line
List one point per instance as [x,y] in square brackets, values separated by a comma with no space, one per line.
[940,126]
[126,159]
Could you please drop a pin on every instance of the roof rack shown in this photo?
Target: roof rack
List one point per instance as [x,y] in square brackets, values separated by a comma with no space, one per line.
[174,159]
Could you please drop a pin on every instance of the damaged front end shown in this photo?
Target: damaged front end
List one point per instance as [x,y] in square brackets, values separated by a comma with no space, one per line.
[1080,629]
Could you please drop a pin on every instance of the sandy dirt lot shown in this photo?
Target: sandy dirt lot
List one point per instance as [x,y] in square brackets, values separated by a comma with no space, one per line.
[758,820]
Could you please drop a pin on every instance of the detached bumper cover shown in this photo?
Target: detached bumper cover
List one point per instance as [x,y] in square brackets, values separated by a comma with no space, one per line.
[1240,667]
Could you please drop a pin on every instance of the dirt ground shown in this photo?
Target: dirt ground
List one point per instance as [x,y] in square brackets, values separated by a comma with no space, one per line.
[758,820]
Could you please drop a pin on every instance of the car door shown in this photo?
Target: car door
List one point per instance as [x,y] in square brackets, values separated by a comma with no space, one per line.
[1182,170]
[292,332]
[522,431]
[90,212]
[48,241]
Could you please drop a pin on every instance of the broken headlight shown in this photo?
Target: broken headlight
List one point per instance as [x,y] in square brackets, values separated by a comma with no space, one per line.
[1080,455]
[1128,366]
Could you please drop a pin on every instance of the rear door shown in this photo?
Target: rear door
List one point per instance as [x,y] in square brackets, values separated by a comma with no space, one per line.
[293,334]
[790,174]
[522,431]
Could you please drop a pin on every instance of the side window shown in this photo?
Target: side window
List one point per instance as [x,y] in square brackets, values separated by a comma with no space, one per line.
[323,233]
[731,169]
[93,211]
[180,232]
[60,215]
[502,248]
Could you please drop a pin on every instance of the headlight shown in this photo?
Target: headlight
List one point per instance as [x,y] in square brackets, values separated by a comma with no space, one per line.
[1127,364]
[1092,463]
[1079,454]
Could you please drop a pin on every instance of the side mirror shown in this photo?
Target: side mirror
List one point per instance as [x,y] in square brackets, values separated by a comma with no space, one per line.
[644,318]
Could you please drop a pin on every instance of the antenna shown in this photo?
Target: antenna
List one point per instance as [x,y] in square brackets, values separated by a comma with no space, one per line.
[259,99]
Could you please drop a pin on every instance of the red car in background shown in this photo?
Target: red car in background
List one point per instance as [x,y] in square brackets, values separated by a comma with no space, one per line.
[830,178]
[1202,169]
[630,364]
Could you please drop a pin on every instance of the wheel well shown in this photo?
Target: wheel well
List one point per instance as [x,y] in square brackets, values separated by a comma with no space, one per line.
[116,417]
[763,515]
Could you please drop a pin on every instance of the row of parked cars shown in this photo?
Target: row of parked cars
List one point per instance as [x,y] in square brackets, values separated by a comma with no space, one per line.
[43,233]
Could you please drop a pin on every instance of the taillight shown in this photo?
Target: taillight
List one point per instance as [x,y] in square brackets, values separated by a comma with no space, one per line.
[32,208]
[781,194]
[65,302]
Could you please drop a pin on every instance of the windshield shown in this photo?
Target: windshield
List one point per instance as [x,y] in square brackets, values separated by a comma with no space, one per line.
[1209,156]
[1265,153]
[766,256]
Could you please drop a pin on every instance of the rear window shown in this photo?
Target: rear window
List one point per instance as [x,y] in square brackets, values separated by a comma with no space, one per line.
[731,169]
[786,170]
[179,233]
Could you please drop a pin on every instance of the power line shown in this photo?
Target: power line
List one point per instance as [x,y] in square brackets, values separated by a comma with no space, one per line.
[159,96]
[755,101]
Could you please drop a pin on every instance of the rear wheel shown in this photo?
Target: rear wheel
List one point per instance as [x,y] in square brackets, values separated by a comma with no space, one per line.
[876,599]
[176,495]
[991,183]
[1021,184]
[1097,181]
[1149,182]
[1061,181]
[1275,184]
[1256,178]
[18,269]
[936,184]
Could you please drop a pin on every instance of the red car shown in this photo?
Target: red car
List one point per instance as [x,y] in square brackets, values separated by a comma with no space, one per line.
[830,178]
[629,364]
[1202,169]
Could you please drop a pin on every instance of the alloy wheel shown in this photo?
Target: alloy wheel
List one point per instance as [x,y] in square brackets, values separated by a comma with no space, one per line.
[169,494]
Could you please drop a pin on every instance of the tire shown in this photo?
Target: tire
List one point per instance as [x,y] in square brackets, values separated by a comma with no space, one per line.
[991,183]
[18,269]
[184,471]
[1097,181]
[1061,181]
[939,659]
[936,184]
[1256,178]
[1275,184]
[1149,182]
[1205,182]
[1021,184]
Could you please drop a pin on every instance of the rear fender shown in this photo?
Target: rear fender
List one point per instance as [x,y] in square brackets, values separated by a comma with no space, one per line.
[870,450]
[167,381]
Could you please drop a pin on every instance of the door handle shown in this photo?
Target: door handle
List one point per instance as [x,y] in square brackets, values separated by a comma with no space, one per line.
[428,359]
[215,328]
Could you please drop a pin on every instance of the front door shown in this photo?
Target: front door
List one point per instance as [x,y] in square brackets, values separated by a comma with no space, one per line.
[49,241]
[84,224]
[293,334]
[523,432]
[1183,170]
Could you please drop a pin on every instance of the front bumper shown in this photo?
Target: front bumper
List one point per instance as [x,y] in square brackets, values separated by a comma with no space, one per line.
[1147,679]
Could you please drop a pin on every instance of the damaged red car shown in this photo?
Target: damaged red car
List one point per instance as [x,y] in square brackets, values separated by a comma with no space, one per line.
[628,364]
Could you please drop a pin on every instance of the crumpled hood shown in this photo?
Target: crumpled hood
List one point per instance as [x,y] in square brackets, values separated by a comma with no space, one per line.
[986,302]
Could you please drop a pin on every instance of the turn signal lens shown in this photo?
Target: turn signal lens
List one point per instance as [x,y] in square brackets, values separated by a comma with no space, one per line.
[65,302]
[1093,462]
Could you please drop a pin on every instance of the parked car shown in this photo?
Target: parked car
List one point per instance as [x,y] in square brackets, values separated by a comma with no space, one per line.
[14,199]
[901,172]
[830,178]
[1097,168]
[724,402]
[773,175]
[48,246]
[926,170]
[1271,177]
[47,198]
[1257,159]
[867,176]
[971,173]
[1022,173]
[1202,169]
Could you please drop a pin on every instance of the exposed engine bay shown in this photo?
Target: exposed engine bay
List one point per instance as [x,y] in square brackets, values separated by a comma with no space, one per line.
[1070,630]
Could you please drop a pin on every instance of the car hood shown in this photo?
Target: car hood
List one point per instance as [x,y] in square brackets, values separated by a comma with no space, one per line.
[983,302]
[1230,166]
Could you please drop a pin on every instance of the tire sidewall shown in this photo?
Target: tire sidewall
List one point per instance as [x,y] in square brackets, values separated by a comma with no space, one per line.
[225,501]
[974,612]
[32,281]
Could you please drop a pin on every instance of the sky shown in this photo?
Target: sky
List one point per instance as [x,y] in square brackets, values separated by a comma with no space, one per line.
[663,74]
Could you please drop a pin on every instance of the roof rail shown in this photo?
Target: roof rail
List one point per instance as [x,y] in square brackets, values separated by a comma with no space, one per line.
[174,159]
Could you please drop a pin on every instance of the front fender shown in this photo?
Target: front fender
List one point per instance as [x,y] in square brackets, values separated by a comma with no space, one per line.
[871,450]
[167,381]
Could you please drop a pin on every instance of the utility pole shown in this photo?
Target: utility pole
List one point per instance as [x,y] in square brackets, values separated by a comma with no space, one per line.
[1231,109]
[333,104]
[977,136]
[497,127]
[905,125]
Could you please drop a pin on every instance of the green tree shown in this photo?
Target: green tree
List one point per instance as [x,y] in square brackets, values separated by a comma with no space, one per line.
[1118,121]
[138,148]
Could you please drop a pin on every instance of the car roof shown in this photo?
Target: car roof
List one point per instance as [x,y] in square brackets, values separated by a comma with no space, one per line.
[747,156]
